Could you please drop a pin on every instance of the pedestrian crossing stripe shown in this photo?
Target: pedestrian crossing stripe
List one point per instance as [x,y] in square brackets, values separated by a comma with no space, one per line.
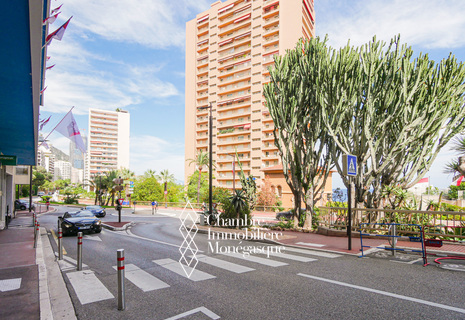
[226,265]
[175,266]
[142,279]
[259,260]
[289,256]
[88,287]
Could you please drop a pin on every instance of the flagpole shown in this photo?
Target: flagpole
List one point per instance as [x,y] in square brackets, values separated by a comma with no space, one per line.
[56,126]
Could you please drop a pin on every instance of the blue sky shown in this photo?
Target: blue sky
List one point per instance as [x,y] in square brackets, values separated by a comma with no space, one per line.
[130,55]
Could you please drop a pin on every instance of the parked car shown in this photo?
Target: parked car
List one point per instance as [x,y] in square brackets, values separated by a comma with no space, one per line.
[73,222]
[41,193]
[98,211]
[285,214]
[22,204]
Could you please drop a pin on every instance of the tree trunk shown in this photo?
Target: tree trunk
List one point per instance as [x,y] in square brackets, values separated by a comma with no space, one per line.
[297,204]
[309,207]
[198,186]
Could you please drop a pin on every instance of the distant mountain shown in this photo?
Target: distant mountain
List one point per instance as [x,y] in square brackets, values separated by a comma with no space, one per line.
[59,155]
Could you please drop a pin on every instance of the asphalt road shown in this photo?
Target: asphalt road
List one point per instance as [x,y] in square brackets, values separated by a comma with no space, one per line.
[297,286]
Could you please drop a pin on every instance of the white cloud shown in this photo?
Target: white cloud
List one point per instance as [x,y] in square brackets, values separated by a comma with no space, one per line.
[430,24]
[152,23]
[149,152]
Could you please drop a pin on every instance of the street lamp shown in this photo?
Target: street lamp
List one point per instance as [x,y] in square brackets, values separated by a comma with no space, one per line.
[210,170]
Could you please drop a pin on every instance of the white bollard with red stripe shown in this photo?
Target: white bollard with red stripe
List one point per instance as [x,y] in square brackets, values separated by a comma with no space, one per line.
[120,264]
[79,251]
[36,233]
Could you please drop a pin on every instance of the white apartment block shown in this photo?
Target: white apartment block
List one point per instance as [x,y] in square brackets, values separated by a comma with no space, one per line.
[107,143]
[62,170]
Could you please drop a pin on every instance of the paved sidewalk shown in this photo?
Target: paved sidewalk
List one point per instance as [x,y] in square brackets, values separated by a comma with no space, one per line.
[31,283]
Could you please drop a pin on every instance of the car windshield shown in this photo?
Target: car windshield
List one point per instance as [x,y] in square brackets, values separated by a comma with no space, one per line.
[84,214]
[93,208]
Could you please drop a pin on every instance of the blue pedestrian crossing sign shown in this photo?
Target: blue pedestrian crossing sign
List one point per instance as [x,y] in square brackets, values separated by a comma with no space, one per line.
[349,165]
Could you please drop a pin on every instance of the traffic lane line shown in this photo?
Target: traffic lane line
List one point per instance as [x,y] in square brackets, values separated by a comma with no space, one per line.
[385,293]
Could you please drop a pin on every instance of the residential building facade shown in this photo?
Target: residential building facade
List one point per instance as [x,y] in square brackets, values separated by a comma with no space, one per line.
[229,49]
[107,143]
[62,170]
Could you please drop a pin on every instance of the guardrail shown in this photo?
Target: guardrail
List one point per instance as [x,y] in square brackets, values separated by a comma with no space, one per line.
[448,225]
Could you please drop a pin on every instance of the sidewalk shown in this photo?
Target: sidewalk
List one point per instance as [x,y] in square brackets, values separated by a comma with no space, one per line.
[26,273]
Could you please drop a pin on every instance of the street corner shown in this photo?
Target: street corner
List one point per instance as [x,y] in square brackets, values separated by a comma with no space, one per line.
[117,226]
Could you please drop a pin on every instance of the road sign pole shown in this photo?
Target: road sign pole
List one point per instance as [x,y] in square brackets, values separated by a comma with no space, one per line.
[349,215]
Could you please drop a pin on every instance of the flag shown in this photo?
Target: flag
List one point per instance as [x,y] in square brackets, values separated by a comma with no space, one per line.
[69,128]
[58,33]
[56,9]
[43,123]
[48,58]
[48,68]
[424,180]
[459,181]
[51,19]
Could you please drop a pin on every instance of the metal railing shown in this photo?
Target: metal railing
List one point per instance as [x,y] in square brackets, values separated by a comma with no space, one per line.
[441,224]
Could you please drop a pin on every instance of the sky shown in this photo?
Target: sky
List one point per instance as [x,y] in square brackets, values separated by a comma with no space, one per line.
[130,55]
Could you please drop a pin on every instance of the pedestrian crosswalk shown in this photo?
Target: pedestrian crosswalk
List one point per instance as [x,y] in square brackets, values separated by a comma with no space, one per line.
[89,288]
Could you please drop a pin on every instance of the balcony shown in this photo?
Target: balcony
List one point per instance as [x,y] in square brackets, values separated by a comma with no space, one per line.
[234,103]
[271,10]
[229,96]
[225,19]
[232,50]
[235,67]
[233,113]
[235,77]
[238,122]
[271,30]
[236,32]
[242,85]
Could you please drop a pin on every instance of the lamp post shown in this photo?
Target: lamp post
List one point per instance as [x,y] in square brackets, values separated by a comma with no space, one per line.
[210,159]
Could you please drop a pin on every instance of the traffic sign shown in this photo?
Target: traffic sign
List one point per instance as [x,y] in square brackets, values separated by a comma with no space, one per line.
[118,181]
[120,201]
[153,203]
[118,188]
[349,165]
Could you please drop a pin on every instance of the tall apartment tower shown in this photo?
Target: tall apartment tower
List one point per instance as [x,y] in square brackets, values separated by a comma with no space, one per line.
[107,142]
[228,51]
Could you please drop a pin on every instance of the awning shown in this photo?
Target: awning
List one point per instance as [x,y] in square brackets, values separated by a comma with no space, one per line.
[225,8]
[243,35]
[202,42]
[242,18]
[225,42]
[202,18]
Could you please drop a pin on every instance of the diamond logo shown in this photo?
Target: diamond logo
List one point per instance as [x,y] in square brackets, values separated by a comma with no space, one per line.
[188,248]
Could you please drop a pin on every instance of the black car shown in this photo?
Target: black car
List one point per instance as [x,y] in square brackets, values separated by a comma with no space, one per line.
[284,215]
[22,204]
[98,211]
[73,222]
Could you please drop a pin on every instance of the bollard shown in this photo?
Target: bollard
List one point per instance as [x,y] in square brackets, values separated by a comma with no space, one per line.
[34,220]
[79,251]
[36,234]
[60,244]
[120,264]
[394,239]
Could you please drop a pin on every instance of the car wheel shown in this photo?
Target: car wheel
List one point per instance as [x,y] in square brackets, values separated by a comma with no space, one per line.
[23,208]
[98,230]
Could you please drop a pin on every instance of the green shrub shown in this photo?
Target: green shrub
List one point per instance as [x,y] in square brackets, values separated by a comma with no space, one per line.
[229,213]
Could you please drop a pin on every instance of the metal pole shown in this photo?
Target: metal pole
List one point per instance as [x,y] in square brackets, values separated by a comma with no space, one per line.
[349,216]
[120,264]
[30,188]
[394,239]
[79,251]
[210,167]
[234,174]
[36,233]
[60,244]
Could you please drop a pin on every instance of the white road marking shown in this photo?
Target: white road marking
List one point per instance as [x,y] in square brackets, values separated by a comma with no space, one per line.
[313,253]
[203,310]
[251,258]
[289,256]
[10,284]
[88,287]
[142,279]
[311,244]
[385,293]
[226,265]
[175,266]
[70,261]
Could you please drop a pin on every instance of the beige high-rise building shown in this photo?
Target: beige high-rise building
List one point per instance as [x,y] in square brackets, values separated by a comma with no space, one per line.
[228,51]
[108,142]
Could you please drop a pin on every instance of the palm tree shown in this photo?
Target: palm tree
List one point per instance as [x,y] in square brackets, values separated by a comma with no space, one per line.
[150,173]
[200,160]
[126,174]
[164,177]
[110,185]
[239,202]
[457,166]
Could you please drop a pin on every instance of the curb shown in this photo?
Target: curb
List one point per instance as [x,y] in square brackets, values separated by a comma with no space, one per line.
[123,228]
[55,301]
